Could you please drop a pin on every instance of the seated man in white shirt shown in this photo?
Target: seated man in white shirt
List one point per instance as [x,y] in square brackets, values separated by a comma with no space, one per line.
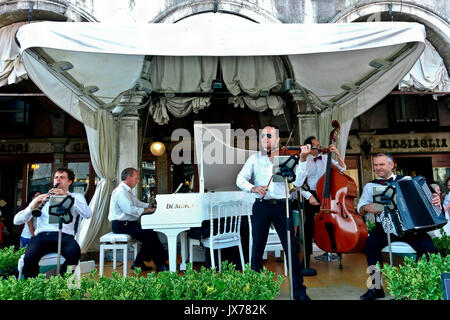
[124,212]
[270,204]
[421,242]
[46,235]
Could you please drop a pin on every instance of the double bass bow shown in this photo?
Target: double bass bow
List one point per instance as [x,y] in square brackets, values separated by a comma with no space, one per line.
[337,227]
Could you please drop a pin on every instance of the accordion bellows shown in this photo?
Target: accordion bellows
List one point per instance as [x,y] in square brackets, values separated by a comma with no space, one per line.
[408,206]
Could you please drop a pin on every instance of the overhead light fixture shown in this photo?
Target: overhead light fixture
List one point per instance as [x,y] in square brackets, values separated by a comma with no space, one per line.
[379,63]
[157,148]
[287,84]
[90,89]
[349,87]
[217,84]
[61,66]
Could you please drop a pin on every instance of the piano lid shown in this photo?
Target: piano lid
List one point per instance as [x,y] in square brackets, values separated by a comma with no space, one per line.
[218,161]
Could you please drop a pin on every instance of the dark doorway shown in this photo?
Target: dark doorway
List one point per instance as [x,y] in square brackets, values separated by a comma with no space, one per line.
[11,174]
[415,166]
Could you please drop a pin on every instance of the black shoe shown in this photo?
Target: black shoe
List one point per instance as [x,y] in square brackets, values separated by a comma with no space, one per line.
[302,297]
[373,294]
[309,272]
[141,265]
[162,268]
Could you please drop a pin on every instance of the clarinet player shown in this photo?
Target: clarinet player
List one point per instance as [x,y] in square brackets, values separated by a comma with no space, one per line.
[421,242]
[46,239]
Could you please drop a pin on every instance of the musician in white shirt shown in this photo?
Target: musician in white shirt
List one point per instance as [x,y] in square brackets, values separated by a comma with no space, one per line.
[124,213]
[421,242]
[46,235]
[270,204]
[316,166]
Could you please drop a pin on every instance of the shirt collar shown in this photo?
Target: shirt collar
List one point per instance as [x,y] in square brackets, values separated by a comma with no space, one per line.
[393,176]
[124,185]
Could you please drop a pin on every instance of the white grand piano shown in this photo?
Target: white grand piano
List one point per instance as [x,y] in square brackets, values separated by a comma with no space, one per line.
[176,213]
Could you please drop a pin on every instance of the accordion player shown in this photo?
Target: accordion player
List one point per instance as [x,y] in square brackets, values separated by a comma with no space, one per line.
[407,203]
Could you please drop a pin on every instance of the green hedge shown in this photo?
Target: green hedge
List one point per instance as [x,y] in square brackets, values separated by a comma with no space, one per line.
[442,243]
[417,280]
[8,260]
[207,284]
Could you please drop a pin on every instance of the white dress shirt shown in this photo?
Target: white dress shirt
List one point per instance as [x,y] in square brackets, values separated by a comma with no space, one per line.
[316,169]
[259,168]
[124,205]
[80,207]
[367,195]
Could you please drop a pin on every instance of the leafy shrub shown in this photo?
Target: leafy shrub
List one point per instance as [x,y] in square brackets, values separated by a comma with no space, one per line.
[207,284]
[370,225]
[442,244]
[417,280]
[8,260]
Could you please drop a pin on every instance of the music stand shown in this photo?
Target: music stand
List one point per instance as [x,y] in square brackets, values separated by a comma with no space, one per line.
[60,211]
[383,198]
[284,172]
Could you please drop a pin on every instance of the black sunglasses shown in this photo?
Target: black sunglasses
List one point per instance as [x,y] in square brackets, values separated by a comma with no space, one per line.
[269,135]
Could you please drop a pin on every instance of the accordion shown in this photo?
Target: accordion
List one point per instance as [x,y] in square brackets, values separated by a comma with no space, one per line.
[409,206]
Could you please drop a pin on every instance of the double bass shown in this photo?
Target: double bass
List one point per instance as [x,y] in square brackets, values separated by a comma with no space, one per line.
[337,227]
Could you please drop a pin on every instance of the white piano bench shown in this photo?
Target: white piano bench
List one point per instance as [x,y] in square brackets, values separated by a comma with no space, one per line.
[116,241]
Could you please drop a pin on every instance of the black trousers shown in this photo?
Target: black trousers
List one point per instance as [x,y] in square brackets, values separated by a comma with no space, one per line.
[421,242]
[47,242]
[151,248]
[310,212]
[264,214]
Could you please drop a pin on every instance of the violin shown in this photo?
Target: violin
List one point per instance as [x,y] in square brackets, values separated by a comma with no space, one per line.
[296,150]
[337,226]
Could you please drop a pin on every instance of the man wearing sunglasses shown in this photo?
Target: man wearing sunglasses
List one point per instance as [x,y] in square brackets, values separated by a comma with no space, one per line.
[270,204]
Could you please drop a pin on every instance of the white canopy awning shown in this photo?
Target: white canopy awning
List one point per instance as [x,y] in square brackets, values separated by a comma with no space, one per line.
[332,62]
[93,70]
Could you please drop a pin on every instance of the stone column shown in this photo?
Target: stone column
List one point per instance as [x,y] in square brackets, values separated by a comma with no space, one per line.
[365,139]
[59,145]
[128,144]
[307,122]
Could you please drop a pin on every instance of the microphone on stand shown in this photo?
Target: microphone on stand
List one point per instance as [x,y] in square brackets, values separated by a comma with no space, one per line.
[38,211]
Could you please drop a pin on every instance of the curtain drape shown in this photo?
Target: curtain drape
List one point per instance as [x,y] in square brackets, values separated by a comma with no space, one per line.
[428,73]
[12,69]
[103,151]
[275,103]
[252,74]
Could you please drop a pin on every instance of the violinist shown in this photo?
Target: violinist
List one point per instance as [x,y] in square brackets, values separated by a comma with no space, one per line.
[316,165]
[270,203]
[383,164]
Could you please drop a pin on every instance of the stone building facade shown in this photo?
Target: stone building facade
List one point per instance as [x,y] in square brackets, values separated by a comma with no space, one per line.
[39,132]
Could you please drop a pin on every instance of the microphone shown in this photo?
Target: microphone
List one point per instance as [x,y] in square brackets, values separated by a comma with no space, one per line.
[38,211]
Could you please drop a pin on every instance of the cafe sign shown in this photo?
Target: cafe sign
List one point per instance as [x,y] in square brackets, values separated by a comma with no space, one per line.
[414,142]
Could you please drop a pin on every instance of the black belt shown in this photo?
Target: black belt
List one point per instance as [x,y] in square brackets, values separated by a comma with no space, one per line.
[273,201]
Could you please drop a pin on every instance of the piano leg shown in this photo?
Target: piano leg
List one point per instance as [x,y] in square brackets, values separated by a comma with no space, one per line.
[172,235]
[184,244]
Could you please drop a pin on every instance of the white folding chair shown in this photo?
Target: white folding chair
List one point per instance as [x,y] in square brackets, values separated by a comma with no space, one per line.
[50,259]
[225,226]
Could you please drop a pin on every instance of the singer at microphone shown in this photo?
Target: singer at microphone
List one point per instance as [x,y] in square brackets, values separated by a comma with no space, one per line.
[46,234]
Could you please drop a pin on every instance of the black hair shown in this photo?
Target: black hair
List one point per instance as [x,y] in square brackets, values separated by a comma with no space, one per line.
[309,140]
[70,173]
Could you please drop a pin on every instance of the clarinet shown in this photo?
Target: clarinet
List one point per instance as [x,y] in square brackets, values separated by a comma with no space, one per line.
[38,211]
